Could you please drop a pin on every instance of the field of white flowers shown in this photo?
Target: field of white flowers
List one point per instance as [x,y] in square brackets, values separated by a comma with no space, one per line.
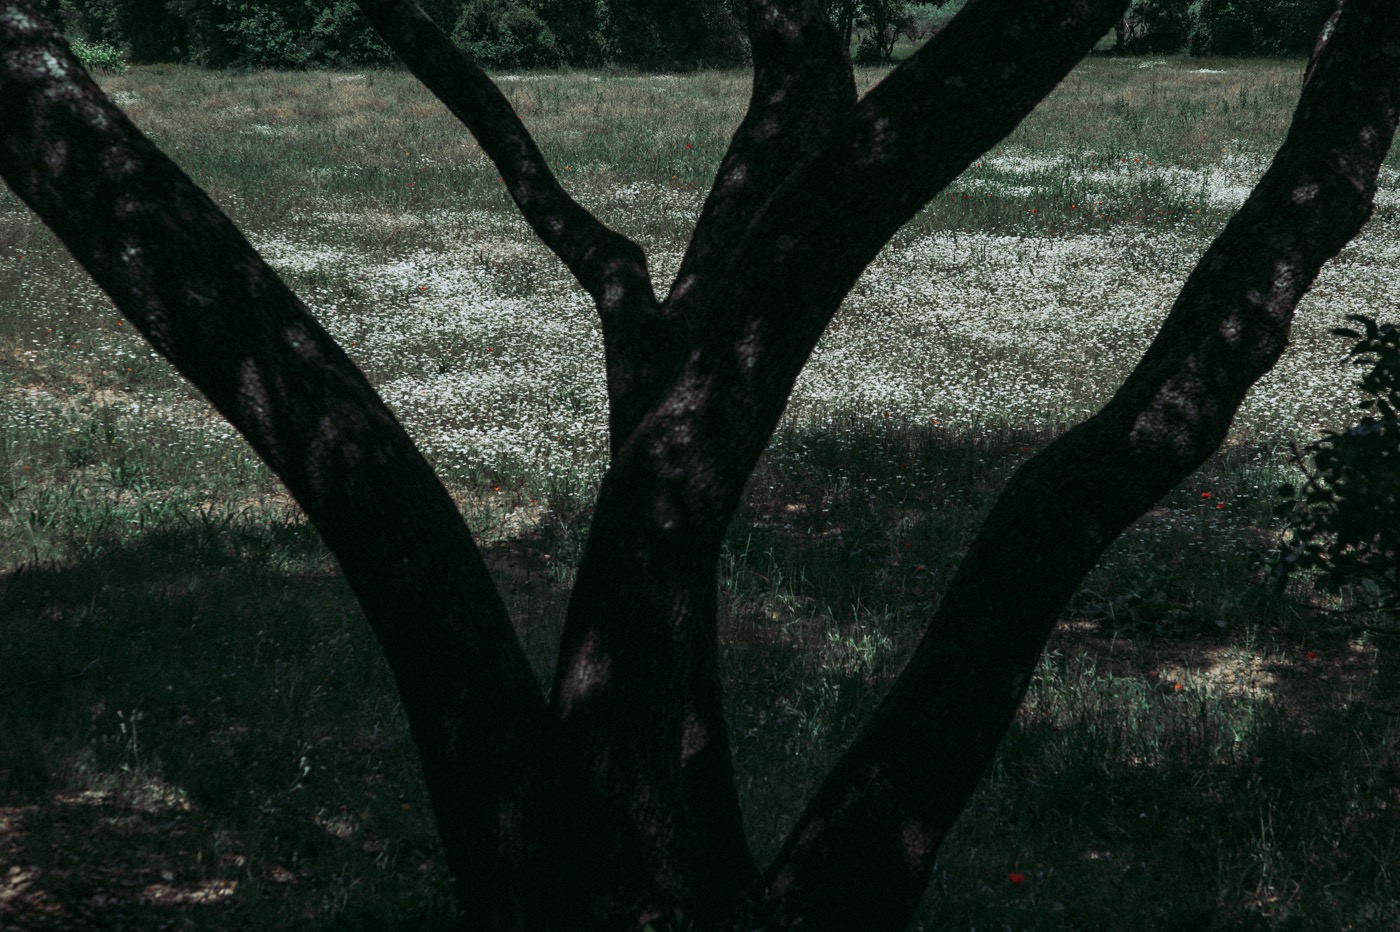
[490,353]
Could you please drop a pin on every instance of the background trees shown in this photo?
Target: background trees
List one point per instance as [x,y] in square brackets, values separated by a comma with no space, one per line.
[610,803]
[1221,27]
[881,23]
[636,33]
[506,33]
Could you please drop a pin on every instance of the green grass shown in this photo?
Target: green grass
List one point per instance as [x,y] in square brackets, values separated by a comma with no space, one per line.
[196,727]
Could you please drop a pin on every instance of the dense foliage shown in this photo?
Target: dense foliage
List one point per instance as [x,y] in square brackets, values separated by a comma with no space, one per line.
[881,23]
[1222,27]
[99,57]
[302,33]
[639,33]
[1346,517]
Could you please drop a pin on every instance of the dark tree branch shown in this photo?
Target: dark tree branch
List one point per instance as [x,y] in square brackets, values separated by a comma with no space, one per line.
[903,143]
[803,88]
[839,193]
[862,852]
[180,271]
[600,258]
[611,267]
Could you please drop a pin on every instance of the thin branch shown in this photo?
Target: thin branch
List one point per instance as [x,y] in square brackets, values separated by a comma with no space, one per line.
[611,267]
[184,275]
[600,258]
[910,136]
[803,88]
[897,791]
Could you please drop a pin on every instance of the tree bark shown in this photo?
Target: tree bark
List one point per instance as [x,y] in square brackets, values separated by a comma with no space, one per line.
[180,271]
[610,267]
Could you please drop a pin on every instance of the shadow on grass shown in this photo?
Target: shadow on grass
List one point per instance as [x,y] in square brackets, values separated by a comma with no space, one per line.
[1195,752]
[1192,813]
[198,731]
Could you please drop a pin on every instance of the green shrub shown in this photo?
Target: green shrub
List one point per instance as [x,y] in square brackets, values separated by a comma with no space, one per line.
[144,30]
[97,21]
[341,35]
[99,56]
[275,33]
[265,37]
[666,34]
[1153,26]
[882,22]
[506,34]
[1256,27]
[1345,520]
[1222,27]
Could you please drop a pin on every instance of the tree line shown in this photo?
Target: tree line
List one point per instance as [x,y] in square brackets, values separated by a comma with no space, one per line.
[501,33]
[1221,27]
[504,33]
[318,33]
[631,33]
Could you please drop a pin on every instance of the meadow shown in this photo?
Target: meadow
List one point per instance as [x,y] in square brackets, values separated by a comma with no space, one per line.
[197,730]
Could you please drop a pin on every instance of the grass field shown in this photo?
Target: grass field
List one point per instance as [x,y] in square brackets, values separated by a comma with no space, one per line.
[197,731]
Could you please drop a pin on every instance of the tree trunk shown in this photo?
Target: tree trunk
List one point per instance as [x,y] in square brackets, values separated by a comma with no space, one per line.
[612,804]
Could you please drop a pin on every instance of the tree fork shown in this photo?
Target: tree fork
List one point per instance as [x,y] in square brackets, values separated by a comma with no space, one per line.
[614,804]
[640,608]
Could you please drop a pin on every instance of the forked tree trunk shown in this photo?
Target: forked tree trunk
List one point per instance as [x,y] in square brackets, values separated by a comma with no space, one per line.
[611,804]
